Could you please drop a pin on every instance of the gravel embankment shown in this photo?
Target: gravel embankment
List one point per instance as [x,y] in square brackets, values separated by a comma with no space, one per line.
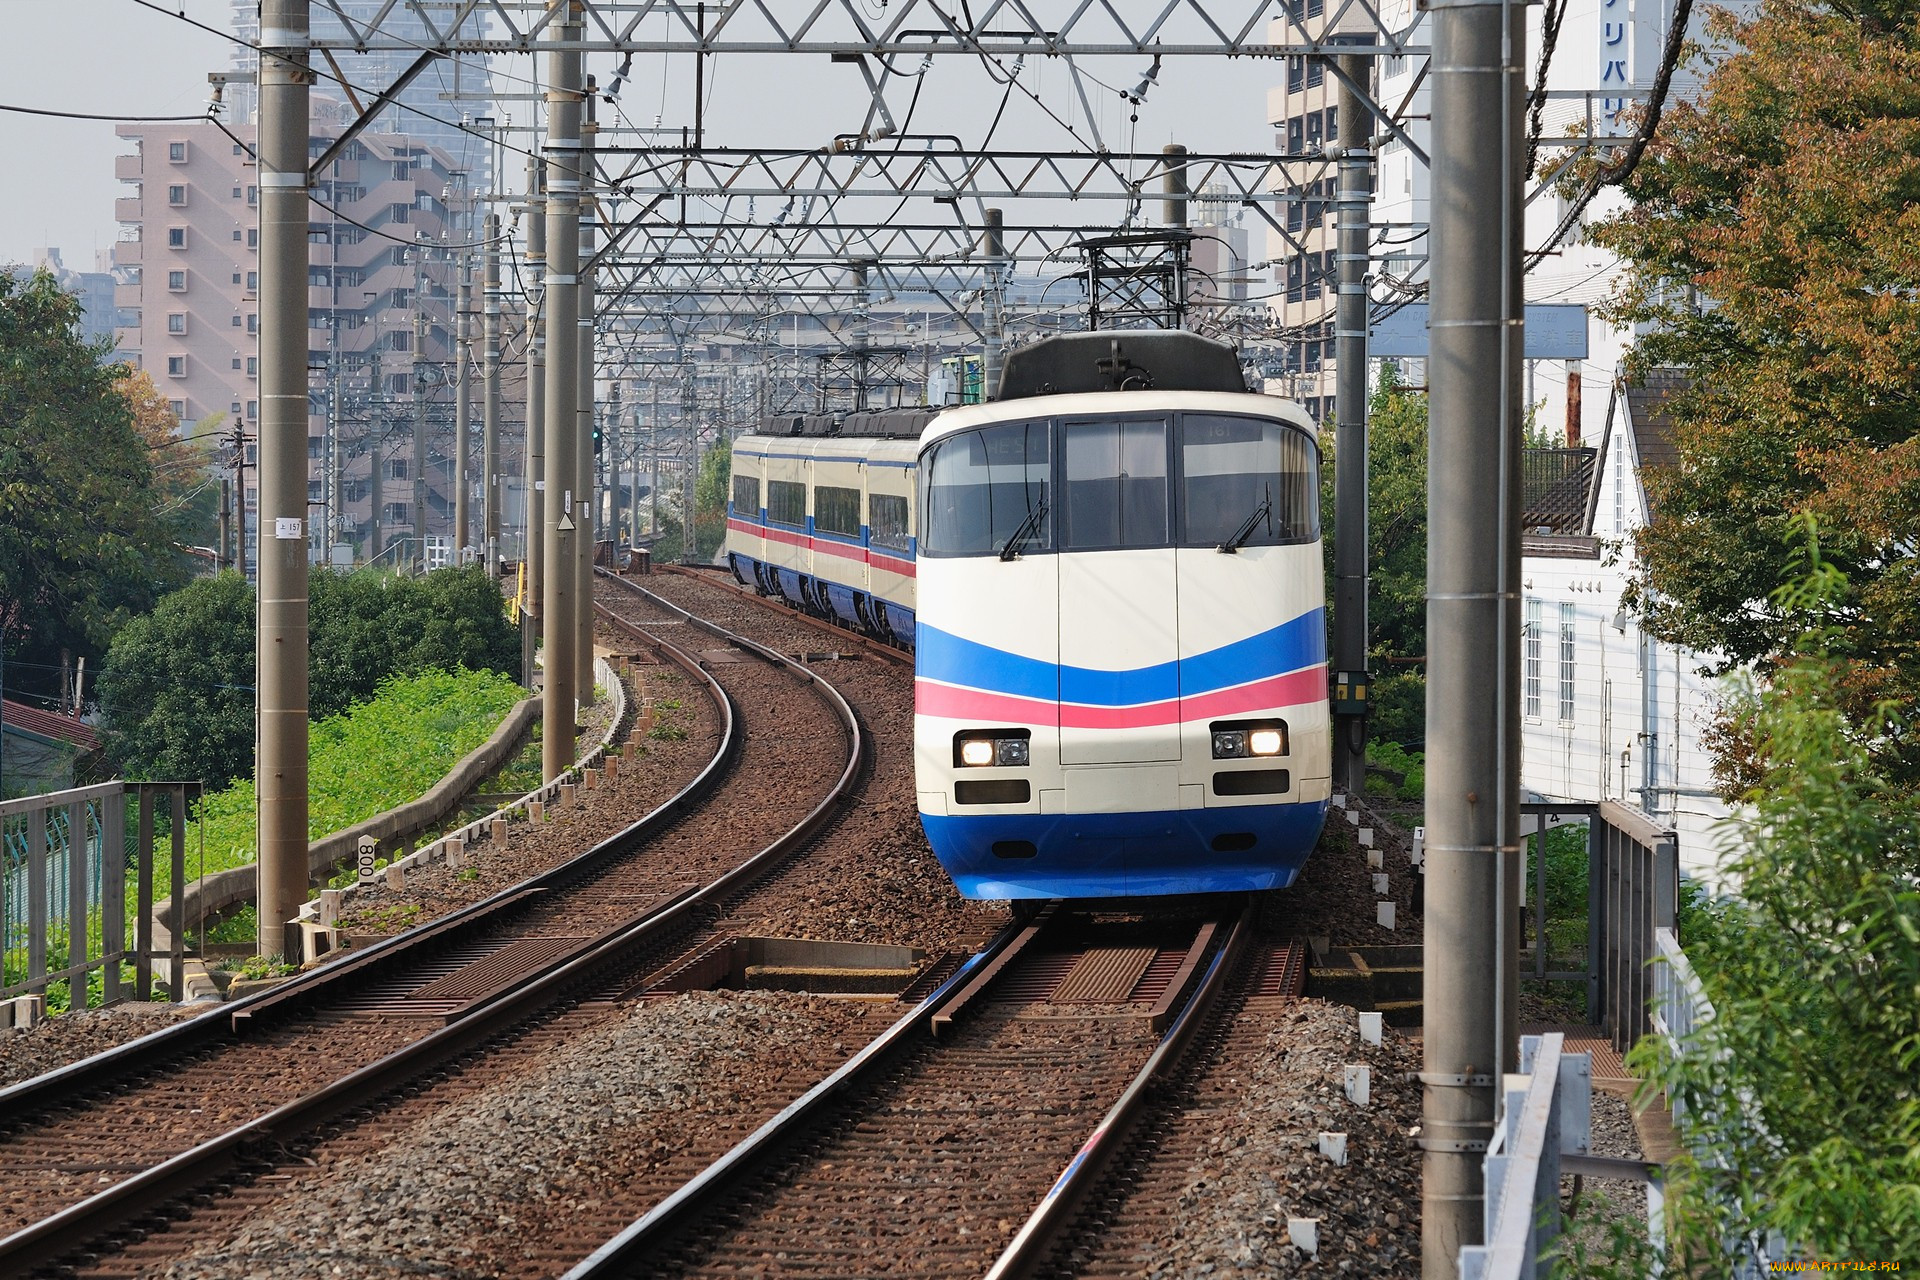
[69,1037]
[470,1191]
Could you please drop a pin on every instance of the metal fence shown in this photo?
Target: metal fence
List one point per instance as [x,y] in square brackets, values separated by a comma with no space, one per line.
[1544,1132]
[67,861]
[1633,890]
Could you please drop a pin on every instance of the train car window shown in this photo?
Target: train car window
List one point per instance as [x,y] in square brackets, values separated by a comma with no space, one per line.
[1247,476]
[1116,485]
[746,496]
[787,502]
[985,488]
[836,510]
[887,518]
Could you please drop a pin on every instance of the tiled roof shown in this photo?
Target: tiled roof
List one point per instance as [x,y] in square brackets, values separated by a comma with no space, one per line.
[46,724]
[1650,416]
[1554,486]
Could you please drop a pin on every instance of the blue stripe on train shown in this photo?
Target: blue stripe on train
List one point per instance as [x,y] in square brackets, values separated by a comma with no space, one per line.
[951,659]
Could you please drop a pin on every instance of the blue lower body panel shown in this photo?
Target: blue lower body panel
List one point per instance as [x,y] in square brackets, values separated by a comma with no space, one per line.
[1116,855]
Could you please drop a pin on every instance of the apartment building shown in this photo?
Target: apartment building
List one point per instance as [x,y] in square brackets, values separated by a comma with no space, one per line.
[381,297]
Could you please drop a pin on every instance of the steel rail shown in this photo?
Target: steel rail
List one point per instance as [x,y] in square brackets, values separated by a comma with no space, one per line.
[886,652]
[106,1069]
[1028,1250]
[644,1238]
[62,1233]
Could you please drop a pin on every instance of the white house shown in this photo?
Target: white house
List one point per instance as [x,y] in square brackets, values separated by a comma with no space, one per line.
[1607,711]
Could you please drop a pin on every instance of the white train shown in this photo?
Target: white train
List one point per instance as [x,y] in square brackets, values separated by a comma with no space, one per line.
[1111,580]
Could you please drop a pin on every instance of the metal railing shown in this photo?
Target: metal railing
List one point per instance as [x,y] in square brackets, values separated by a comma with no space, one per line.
[1544,1132]
[1633,890]
[64,886]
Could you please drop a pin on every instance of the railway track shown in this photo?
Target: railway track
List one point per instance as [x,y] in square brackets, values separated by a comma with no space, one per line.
[925,1155]
[104,1143]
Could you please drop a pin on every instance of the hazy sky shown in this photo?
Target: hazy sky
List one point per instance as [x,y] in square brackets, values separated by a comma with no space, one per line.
[109,56]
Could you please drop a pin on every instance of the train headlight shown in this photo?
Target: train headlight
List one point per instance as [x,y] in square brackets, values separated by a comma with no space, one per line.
[981,748]
[1240,739]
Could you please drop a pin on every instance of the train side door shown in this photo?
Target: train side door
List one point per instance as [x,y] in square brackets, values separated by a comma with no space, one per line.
[1119,608]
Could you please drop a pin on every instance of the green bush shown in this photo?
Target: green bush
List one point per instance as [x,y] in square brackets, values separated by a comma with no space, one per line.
[1410,765]
[177,689]
[1802,1115]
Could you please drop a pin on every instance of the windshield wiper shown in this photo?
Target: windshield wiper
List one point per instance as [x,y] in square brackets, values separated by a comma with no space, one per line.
[1262,512]
[1030,527]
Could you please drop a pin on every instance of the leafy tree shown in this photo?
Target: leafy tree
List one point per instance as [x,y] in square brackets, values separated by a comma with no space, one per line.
[1802,1114]
[176,693]
[1771,245]
[712,487]
[177,688]
[81,546]
[186,497]
[1397,531]
[365,627]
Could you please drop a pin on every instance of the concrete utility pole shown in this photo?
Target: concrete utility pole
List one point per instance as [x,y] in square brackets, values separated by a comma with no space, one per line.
[1353,197]
[490,404]
[583,505]
[280,760]
[1473,610]
[419,463]
[561,688]
[462,407]
[992,307]
[376,437]
[536,395]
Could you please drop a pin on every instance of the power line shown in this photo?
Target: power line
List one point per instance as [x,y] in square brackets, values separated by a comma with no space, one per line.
[88,115]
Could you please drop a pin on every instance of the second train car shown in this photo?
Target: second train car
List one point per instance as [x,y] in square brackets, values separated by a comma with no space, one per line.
[1111,581]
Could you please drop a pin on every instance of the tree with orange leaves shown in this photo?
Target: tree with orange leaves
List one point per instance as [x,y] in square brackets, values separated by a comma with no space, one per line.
[1773,244]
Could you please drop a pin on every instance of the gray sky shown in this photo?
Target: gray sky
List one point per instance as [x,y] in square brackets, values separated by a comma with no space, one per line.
[113,56]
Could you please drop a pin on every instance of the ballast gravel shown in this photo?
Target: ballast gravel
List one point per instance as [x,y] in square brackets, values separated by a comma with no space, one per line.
[456,1192]
[1265,1166]
[54,1042]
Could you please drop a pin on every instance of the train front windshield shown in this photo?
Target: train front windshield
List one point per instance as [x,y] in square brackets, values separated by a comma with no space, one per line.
[986,487]
[1250,481]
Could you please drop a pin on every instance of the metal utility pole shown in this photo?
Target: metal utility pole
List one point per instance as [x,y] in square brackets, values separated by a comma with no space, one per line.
[462,407]
[653,455]
[1173,184]
[281,646]
[583,505]
[992,307]
[376,436]
[536,396]
[490,404]
[690,471]
[1473,609]
[1353,197]
[419,462]
[336,511]
[561,687]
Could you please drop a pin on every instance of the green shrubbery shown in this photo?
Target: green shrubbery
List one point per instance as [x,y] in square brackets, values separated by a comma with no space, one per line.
[177,690]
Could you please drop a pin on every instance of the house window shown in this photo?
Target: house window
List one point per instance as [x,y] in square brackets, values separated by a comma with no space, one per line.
[253,324]
[253,408]
[1530,665]
[176,282]
[253,237]
[396,513]
[177,152]
[176,322]
[1567,667]
[1619,485]
[253,366]
[236,320]
[176,366]
[313,491]
[253,497]
[253,282]
[236,408]
[176,237]
[179,408]
[177,194]
[253,195]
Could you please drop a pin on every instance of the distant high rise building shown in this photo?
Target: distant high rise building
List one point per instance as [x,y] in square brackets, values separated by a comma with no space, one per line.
[93,288]
[188,268]
[419,110]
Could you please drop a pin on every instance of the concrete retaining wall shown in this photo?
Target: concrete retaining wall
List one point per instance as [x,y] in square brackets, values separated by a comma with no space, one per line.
[216,894]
